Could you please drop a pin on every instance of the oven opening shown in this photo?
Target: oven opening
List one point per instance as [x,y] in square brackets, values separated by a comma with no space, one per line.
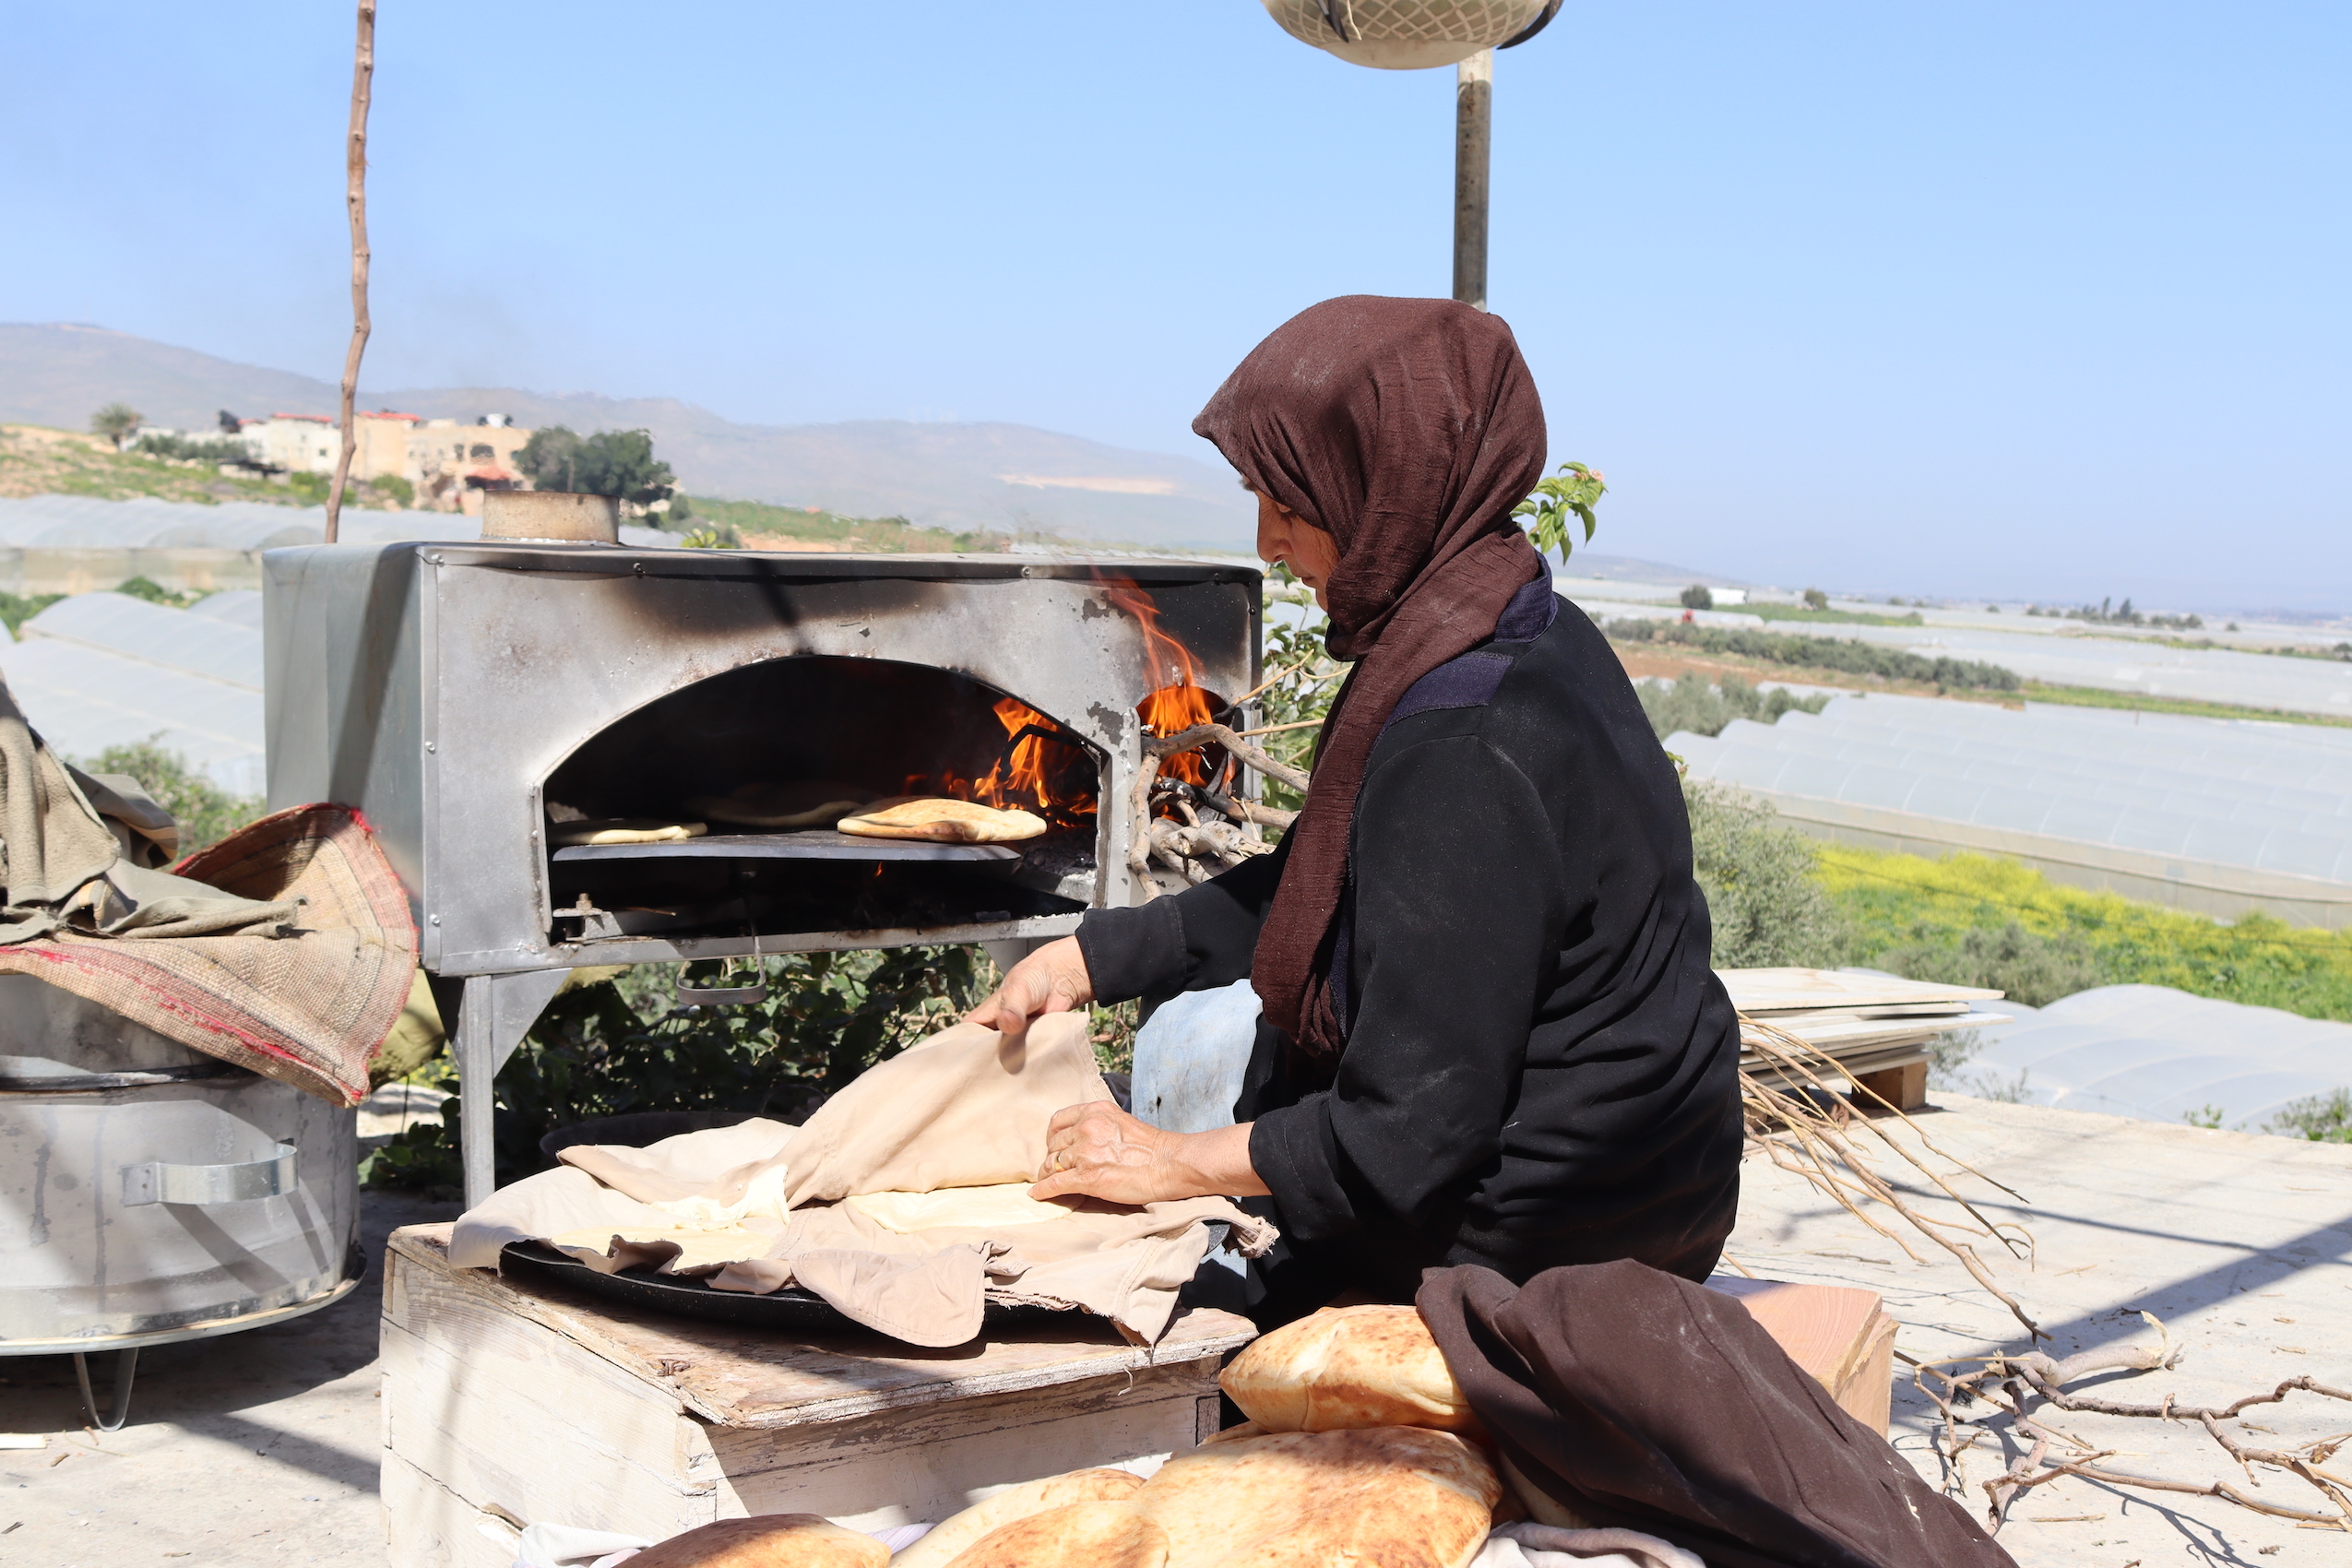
[765,757]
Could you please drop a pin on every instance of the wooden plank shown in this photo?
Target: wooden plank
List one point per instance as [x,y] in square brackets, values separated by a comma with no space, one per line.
[902,1466]
[1754,990]
[545,1440]
[735,1376]
[427,1526]
[1904,1087]
[1835,1333]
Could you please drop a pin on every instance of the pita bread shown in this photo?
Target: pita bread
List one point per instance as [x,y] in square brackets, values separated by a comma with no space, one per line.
[626,830]
[945,821]
[1343,1367]
[767,1540]
[1076,1534]
[980,1208]
[967,1529]
[804,803]
[1403,1497]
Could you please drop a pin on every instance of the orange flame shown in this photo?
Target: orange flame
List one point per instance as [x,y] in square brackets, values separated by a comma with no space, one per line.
[1038,774]
[1175,707]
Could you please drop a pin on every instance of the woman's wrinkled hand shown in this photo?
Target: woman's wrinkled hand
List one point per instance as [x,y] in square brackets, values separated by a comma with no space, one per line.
[1052,980]
[1097,1150]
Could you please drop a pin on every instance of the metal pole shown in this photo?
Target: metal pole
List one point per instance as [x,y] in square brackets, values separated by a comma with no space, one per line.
[1473,140]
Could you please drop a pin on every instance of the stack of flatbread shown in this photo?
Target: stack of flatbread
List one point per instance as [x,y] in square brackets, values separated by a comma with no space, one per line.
[944,821]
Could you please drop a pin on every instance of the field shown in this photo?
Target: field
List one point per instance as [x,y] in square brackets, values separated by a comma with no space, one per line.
[1914,909]
[762,526]
[38,461]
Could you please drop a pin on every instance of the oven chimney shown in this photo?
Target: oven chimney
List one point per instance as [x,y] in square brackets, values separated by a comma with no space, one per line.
[551,517]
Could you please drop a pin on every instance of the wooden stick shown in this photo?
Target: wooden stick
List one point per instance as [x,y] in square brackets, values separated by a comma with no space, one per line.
[355,170]
[1157,746]
[1277,728]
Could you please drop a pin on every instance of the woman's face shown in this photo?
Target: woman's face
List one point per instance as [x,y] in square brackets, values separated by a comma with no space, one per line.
[1283,535]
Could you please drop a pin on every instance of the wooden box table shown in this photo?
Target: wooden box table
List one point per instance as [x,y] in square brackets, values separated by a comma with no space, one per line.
[508,1403]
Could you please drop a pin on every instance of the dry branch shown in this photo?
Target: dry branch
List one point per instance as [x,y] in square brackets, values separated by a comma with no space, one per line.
[355,171]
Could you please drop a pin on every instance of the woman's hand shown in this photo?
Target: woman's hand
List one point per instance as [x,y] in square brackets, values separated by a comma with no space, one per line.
[1097,1150]
[1052,980]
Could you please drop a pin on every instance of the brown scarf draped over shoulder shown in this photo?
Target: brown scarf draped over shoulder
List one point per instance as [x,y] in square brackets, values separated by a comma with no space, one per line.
[1406,429]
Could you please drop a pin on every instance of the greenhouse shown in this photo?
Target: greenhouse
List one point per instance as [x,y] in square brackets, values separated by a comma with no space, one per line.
[2161,1055]
[2221,816]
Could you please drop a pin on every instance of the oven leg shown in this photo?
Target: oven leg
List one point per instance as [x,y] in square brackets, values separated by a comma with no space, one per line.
[495,1012]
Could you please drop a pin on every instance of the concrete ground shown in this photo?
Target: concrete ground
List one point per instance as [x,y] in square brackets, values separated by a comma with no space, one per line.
[261,1448]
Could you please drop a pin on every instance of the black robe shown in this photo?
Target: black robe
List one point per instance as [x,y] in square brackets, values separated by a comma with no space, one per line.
[1541,1066]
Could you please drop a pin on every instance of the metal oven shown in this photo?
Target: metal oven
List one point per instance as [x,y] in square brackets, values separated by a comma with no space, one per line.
[472,698]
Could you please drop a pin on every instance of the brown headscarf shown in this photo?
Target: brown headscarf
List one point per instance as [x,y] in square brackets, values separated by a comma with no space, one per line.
[1406,429]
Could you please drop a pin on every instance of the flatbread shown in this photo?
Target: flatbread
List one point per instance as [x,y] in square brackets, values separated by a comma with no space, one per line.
[959,1534]
[978,1208]
[1076,1534]
[785,808]
[628,830]
[1368,1366]
[1402,1497]
[767,1540]
[944,821]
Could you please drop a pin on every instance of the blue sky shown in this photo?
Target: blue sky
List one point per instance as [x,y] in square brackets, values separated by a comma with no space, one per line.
[2020,299]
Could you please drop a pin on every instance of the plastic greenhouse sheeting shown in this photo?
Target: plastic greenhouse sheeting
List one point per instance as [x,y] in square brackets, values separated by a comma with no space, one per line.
[85,522]
[2266,797]
[2161,1055]
[155,633]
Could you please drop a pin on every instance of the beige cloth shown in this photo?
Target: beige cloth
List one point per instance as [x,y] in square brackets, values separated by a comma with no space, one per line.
[966,1107]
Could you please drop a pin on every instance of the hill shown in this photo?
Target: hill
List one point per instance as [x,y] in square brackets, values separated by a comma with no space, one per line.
[959,477]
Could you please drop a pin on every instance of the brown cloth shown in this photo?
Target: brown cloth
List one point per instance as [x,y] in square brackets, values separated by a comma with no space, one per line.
[1406,429]
[1642,1401]
[287,948]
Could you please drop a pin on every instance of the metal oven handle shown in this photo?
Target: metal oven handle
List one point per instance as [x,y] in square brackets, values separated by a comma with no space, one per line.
[156,1183]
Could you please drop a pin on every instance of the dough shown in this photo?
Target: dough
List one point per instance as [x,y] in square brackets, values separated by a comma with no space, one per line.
[626,830]
[965,1530]
[804,803]
[1076,1534]
[1343,1367]
[1401,1497]
[767,1540]
[980,1208]
[947,822]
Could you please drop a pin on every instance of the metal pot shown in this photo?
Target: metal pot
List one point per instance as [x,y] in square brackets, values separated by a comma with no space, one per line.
[150,1194]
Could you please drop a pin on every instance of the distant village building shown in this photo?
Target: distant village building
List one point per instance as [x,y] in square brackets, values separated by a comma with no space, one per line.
[449,463]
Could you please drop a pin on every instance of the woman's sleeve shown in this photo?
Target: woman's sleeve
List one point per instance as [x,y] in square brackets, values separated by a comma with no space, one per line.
[1459,909]
[1196,940]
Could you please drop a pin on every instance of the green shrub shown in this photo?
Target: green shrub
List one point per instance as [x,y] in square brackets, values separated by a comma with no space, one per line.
[1690,704]
[154,592]
[1698,597]
[1767,907]
[311,488]
[625,1045]
[207,813]
[2031,967]
[2322,1118]
[1844,654]
[394,488]
[16,609]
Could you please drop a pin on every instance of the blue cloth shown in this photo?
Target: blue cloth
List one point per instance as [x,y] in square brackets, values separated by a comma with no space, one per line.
[1190,1058]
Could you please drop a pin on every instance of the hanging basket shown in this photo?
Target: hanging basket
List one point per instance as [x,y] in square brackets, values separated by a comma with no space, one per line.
[1410,35]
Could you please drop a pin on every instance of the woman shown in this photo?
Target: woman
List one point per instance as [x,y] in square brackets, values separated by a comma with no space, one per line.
[1489,1032]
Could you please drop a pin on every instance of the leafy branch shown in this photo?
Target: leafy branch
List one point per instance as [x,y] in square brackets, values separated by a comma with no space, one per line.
[1573,492]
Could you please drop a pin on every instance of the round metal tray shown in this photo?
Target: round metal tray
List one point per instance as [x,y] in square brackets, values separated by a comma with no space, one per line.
[785,1309]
